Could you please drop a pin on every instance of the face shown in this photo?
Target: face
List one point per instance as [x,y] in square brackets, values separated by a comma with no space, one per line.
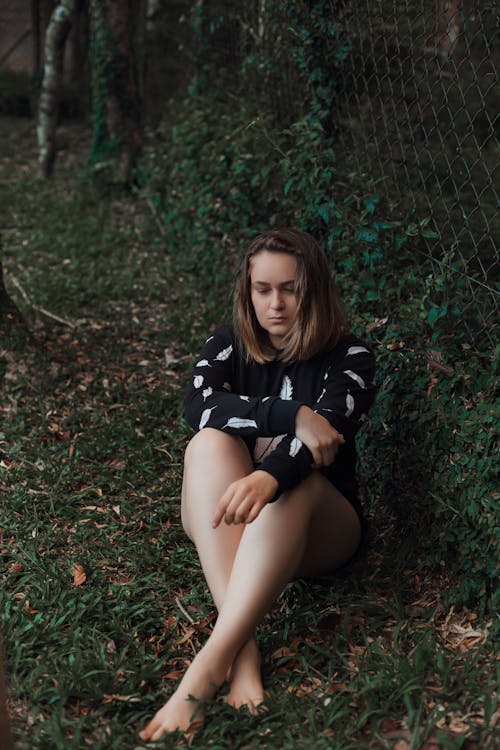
[272,278]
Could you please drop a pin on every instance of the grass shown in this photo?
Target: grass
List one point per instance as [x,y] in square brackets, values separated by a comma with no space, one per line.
[103,602]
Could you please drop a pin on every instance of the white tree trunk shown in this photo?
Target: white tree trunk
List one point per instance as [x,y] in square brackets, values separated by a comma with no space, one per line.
[55,39]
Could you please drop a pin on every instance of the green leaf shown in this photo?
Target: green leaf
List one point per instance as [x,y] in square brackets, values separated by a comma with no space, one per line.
[288,185]
[323,212]
[367,235]
[371,203]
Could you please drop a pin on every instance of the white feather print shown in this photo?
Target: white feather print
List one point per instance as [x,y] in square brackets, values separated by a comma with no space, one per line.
[209,339]
[239,423]
[245,398]
[357,350]
[322,394]
[266,398]
[207,392]
[198,381]
[224,354]
[355,377]
[295,447]
[205,416]
[203,363]
[286,392]
[349,402]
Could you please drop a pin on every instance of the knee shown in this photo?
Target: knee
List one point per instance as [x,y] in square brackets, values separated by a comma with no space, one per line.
[210,445]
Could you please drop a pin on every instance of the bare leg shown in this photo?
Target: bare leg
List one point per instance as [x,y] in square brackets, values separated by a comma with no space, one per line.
[202,488]
[279,544]
[213,460]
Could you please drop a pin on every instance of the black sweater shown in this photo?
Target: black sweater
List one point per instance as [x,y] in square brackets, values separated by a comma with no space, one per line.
[259,403]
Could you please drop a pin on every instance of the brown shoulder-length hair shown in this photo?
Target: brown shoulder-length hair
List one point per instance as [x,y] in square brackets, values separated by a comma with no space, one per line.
[321,320]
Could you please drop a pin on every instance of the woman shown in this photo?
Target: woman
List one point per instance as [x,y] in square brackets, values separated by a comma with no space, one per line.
[269,490]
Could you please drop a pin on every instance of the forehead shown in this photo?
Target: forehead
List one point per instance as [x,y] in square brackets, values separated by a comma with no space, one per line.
[273,266]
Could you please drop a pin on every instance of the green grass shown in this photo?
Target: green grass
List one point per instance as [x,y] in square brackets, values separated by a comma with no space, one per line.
[91,445]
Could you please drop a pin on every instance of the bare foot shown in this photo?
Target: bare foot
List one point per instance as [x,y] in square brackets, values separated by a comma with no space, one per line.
[184,710]
[245,681]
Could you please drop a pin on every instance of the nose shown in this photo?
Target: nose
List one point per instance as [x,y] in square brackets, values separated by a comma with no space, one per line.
[277,301]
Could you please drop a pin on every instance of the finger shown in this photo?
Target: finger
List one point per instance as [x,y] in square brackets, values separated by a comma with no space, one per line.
[317,457]
[239,511]
[218,516]
[254,512]
[221,509]
[232,508]
[251,510]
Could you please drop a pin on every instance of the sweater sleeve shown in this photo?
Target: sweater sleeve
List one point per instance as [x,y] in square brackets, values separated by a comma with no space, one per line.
[211,401]
[346,395]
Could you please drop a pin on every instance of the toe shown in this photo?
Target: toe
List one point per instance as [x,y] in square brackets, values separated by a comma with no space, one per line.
[145,734]
[158,734]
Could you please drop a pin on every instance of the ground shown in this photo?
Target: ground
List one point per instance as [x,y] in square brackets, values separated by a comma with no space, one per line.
[103,600]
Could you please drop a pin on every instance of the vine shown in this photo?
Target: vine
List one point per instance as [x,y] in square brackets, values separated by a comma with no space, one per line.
[227,170]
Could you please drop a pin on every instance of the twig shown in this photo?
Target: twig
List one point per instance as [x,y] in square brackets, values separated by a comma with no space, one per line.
[20,288]
[186,614]
[39,309]
[48,314]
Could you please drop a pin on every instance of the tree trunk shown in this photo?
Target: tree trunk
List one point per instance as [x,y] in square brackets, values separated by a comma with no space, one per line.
[55,39]
[115,91]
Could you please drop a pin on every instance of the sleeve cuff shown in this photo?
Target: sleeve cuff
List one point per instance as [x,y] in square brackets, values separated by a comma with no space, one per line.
[282,416]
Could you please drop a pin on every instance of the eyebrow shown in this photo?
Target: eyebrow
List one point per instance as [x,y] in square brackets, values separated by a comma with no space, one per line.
[266,283]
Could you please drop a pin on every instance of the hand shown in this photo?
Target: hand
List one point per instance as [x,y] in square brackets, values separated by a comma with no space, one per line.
[244,499]
[318,435]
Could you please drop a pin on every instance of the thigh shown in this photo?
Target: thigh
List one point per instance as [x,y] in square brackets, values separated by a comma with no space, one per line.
[213,460]
[334,531]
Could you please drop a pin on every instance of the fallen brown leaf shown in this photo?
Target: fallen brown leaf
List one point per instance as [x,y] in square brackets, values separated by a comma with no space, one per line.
[109,698]
[16,567]
[79,574]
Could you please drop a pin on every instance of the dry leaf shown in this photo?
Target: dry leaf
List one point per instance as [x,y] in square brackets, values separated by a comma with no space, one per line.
[453,724]
[187,635]
[376,323]
[175,675]
[116,463]
[434,361]
[16,567]
[284,651]
[79,575]
[109,698]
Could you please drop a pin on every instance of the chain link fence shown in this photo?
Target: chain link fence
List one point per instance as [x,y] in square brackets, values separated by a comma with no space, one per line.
[416,109]
[420,110]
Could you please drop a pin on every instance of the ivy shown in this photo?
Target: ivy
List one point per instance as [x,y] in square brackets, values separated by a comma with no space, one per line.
[230,168]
